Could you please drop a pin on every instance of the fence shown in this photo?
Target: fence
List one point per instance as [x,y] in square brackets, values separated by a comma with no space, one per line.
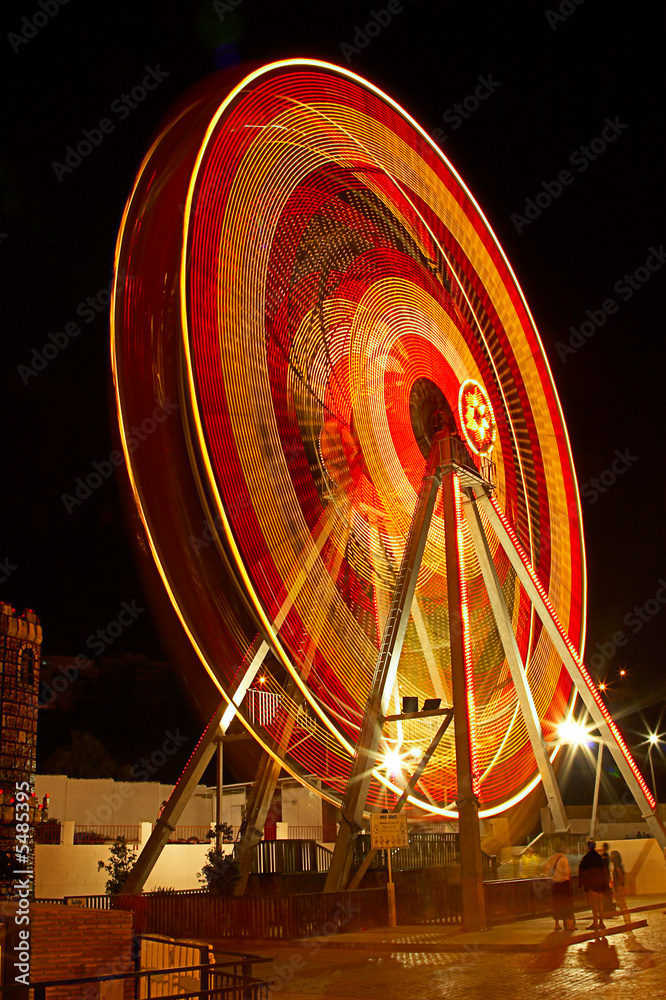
[426,850]
[572,844]
[103,834]
[253,917]
[420,899]
[508,900]
[309,833]
[287,856]
[98,902]
[47,833]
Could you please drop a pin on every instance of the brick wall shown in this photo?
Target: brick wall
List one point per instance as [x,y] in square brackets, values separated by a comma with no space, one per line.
[70,941]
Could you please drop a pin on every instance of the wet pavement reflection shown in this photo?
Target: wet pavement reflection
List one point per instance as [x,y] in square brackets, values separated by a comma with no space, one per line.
[625,967]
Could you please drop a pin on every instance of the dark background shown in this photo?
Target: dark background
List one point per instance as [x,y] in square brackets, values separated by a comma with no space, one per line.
[558,81]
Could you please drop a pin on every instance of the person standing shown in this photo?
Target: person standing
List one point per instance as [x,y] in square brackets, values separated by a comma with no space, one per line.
[557,868]
[619,884]
[592,879]
[607,906]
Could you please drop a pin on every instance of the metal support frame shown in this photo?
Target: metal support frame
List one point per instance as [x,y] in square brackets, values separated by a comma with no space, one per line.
[515,662]
[550,624]
[173,810]
[409,788]
[597,784]
[256,811]
[218,793]
[471,865]
[386,668]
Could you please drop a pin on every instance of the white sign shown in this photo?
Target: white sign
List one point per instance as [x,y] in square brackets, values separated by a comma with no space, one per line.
[388,830]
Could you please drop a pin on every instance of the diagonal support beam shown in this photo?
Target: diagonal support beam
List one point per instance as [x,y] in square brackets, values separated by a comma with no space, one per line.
[166,822]
[583,682]
[409,788]
[515,662]
[385,672]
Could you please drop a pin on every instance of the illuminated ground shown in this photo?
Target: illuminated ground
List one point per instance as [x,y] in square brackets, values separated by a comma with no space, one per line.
[618,971]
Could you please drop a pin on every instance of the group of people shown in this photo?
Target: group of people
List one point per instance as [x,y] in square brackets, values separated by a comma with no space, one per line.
[600,875]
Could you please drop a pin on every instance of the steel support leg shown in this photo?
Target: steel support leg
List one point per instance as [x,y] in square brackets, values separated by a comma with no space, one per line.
[579,675]
[473,896]
[256,811]
[515,662]
[597,784]
[218,793]
[409,788]
[166,822]
[385,673]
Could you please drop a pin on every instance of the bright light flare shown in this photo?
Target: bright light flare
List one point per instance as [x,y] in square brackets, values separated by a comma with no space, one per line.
[573,732]
[393,761]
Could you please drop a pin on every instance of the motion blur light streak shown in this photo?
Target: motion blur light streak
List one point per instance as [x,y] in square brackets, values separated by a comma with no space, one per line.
[330,286]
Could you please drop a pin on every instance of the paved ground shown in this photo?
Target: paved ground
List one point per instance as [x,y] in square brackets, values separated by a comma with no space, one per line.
[522,961]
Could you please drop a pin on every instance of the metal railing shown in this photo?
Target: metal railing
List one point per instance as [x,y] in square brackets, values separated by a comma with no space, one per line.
[281,857]
[306,833]
[48,833]
[426,850]
[84,834]
[508,900]
[227,981]
[571,844]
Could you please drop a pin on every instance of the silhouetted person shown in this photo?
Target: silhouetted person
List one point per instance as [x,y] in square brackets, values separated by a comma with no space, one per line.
[592,879]
[607,902]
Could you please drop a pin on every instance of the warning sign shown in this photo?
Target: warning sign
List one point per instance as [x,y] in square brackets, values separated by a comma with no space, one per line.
[389,830]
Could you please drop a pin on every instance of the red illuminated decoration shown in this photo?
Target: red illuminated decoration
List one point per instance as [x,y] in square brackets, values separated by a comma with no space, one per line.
[476,417]
[311,285]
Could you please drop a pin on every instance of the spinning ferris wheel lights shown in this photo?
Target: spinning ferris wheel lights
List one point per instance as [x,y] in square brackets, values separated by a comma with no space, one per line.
[330,299]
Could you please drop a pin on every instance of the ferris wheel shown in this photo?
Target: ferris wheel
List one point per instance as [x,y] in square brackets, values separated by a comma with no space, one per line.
[368,438]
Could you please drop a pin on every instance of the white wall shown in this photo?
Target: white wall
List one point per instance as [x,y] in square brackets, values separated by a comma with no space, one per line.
[104,802]
[644,866]
[71,870]
[300,807]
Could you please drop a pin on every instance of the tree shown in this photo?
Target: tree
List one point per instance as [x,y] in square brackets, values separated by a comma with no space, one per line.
[85,757]
[119,865]
[225,830]
[220,873]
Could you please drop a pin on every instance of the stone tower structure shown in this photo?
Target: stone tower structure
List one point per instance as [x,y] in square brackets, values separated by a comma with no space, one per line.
[20,653]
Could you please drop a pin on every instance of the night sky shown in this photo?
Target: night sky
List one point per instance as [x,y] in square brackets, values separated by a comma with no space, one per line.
[552,84]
